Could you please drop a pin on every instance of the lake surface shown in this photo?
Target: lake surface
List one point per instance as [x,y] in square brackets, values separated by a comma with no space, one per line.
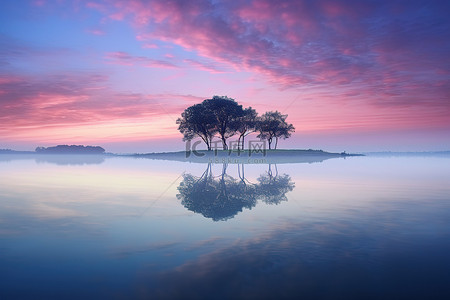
[354,228]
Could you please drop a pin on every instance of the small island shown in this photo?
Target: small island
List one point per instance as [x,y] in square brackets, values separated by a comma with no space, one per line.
[60,155]
[72,149]
[215,121]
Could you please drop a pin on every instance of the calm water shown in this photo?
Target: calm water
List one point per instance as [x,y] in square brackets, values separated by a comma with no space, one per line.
[355,228]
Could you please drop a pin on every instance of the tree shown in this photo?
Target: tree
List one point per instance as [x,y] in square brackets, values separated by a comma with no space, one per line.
[272,125]
[196,120]
[218,115]
[223,116]
[246,125]
[226,112]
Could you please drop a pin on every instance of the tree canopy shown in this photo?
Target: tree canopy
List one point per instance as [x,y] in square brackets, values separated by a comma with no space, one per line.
[226,113]
[246,125]
[196,120]
[223,117]
[218,115]
[272,125]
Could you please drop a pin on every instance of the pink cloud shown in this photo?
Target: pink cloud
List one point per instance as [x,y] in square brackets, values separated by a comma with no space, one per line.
[125,59]
[294,43]
[63,106]
[150,46]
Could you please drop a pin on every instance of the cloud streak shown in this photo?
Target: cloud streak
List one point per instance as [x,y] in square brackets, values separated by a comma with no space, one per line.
[57,103]
[388,48]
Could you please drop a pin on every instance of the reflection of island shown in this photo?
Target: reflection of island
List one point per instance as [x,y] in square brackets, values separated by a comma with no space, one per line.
[223,198]
[247,157]
[56,159]
[71,159]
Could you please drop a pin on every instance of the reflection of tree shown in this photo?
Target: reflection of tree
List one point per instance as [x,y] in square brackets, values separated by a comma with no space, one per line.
[218,199]
[272,189]
[222,197]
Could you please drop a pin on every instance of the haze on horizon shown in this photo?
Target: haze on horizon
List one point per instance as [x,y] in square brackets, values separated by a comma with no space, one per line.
[352,75]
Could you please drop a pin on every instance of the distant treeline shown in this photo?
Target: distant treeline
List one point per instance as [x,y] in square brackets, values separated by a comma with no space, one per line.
[72,149]
[9,151]
[6,151]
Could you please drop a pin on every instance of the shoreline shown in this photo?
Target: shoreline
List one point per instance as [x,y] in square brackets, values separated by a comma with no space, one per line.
[201,156]
[245,156]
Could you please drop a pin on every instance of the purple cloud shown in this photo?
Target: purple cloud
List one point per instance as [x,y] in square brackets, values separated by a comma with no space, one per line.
[364,46]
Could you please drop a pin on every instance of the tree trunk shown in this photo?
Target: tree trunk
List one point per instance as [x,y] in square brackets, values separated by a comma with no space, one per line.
[206,142]
[241,138]
[224,143]
[243,145]
[276,142]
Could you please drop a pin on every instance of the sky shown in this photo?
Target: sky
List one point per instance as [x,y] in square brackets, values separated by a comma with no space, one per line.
[351,75]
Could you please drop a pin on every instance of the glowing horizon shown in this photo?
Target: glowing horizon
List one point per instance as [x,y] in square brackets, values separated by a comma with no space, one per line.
[351,75]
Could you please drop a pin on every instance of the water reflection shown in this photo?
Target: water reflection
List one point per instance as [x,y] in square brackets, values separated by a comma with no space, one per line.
[222,197]
[272,188]
[61,159]
[365,228]
[327,260]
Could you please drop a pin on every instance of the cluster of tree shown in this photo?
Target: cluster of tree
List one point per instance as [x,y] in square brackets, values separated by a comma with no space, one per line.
[224,117]
[221,199]
[72,149]
[9,151]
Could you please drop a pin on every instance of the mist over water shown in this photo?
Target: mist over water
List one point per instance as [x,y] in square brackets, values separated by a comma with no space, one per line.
[115,227]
